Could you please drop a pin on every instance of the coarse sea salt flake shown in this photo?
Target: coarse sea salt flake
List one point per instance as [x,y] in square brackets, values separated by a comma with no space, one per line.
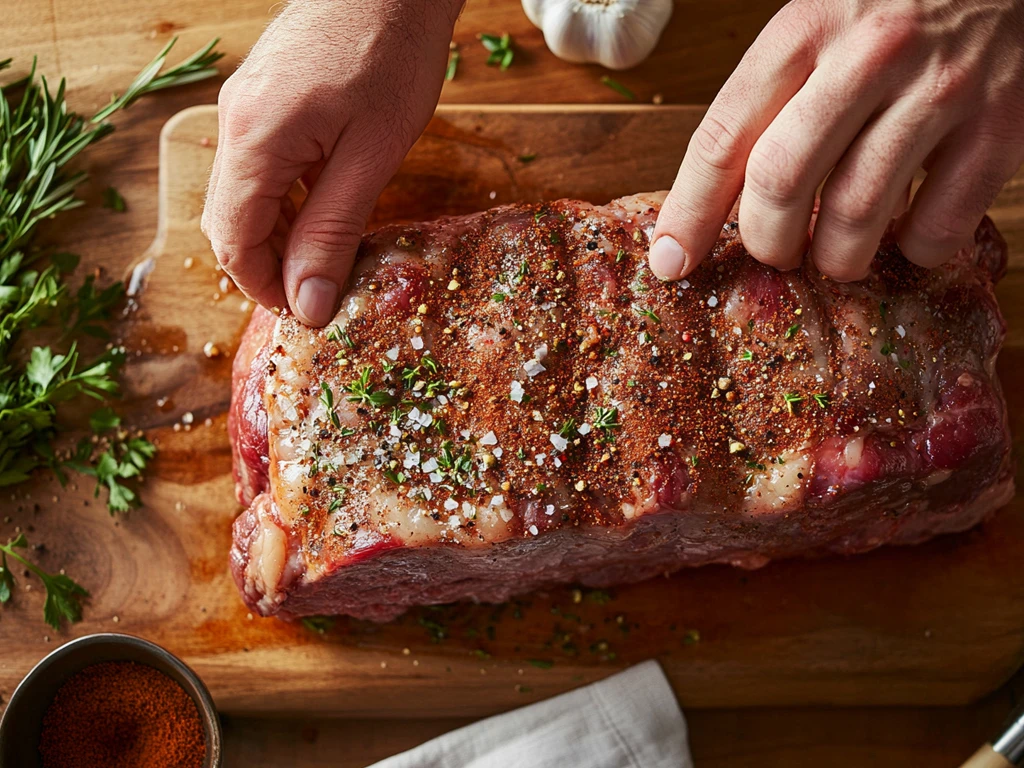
[497,453]
[417,342]
[584,428]
[539,458]
[559,442]
[454,521]
[549,510]
[684,284]
[533,530]
[664,441]
[713,301]
[540,352]
[901,331]
[451,504]
[429,465]
[558,462]
[591,382]
[392,354]
[394,431]
[497,501]
[489,439]
[505,514]
[533,368]
[436,477]
[517,392]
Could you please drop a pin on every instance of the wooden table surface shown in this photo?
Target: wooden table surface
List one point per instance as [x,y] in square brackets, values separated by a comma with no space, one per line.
[100,44]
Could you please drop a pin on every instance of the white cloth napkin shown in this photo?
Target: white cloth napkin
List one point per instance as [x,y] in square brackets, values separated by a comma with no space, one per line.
[630,720]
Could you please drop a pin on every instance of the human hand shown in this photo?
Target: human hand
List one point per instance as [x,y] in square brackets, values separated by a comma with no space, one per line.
[335,92]
[869,90]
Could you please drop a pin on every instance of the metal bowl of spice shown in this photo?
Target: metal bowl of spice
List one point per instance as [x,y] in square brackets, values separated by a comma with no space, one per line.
[110,700]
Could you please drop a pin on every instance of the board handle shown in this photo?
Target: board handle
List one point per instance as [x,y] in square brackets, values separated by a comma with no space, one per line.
[986,757]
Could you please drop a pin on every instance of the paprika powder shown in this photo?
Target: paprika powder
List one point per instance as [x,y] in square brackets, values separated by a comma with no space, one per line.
[122,714]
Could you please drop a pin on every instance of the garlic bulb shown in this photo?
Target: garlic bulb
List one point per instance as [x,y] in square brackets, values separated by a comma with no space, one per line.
[616,33]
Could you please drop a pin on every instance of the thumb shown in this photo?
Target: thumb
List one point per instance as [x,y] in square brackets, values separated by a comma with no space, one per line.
[326,232]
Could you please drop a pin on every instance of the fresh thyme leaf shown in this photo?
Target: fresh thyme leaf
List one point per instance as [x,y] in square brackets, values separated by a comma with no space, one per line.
[822,400]
[499,297]
[792,398]
[618,87]
[113,200]
[63,595]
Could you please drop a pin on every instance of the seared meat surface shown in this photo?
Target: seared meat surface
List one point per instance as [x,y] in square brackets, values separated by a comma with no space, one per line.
[511,399]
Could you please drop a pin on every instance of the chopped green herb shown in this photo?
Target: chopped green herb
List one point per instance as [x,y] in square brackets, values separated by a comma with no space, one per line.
[606,419]
[647,313]
[747,355]
[453,64]
[522,272]
[695,461]
[541,663]
[568,427]
[553,238]
[499,297]
[750,324]
[792,398]
[887,349]
[528,158]
[791,331]
[362,392]
[327,398]
[599,597]
[318,624]
[883,310]
[112,199]
[822,400]
[618,87]
[304,510]
[620,256]
[335,333]
[501,51]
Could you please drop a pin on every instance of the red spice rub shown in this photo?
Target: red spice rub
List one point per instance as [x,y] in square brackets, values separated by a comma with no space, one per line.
[121,714]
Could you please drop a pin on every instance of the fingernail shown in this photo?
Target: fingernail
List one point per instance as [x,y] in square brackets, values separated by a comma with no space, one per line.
[667,258]
[317,301]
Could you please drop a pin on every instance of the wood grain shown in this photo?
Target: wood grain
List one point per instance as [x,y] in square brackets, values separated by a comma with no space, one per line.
[835,631]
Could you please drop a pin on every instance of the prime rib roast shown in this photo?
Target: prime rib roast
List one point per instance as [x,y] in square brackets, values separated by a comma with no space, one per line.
[511,400]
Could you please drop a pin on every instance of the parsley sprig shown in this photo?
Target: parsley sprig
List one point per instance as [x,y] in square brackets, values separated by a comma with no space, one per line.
[63,595]
[39,137]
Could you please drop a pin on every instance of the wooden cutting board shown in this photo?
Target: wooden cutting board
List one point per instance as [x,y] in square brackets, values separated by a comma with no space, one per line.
[941,623]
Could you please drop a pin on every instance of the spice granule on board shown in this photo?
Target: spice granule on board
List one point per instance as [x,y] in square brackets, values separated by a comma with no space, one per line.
[122,714]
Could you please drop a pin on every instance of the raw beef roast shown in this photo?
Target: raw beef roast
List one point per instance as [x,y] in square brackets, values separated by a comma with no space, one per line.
[511,400]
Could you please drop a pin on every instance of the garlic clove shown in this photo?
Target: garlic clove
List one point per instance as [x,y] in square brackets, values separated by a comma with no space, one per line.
[618,34]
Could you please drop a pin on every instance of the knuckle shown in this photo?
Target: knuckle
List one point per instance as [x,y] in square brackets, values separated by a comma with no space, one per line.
[852,204]
[773,172]
[941,227]
[330,231]
[718,143]
[948,84]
